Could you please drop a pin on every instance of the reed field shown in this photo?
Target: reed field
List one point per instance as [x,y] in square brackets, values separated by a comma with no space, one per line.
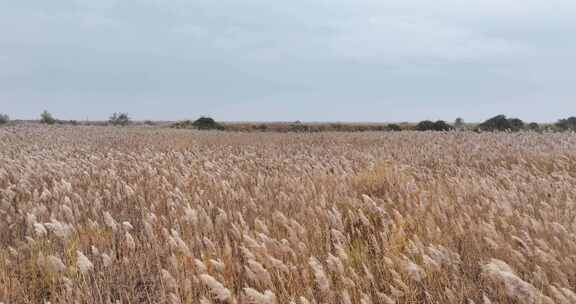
[155,215]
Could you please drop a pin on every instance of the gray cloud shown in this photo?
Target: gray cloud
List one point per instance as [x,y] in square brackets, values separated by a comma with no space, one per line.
[309,60]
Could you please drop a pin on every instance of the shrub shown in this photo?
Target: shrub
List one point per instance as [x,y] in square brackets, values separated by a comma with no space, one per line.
[425,125]
[184,124]
[428,125]
[119,119]
[441,125]
[393,127]
[47,118]
[496,123]
[207,123]
[4,119]
[298,126]
[568,124]
[533,126]
[516,124]
[459,123]
[501,123]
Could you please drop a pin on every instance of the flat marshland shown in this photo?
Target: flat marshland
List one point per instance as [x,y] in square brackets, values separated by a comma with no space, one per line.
[153,215]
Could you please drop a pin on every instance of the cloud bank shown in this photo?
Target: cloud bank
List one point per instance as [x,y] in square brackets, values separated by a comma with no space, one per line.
[358,60]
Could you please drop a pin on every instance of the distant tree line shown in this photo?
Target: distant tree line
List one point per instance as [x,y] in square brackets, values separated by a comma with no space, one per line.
[116,119]
[47,118]
[505,124]
[498,123]
[567,124]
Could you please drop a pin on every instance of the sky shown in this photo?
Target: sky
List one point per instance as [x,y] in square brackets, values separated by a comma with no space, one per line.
[308,60]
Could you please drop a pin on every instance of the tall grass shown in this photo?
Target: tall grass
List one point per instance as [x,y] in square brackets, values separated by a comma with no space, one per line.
[146,215]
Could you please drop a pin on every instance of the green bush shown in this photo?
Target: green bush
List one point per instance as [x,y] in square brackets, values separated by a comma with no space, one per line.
[502,123]
[119,119]
[207,123]
[4,119]
[533,126]
[393,127]
[516,124]
[425,125]
[568,124]
[428,125]
[298,126]
[441,125]
[459,123]
[47,118]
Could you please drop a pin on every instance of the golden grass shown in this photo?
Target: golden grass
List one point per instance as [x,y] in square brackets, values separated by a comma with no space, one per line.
[180,216]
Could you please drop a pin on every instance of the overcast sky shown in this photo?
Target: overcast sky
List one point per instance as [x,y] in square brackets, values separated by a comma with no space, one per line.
[309,60]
